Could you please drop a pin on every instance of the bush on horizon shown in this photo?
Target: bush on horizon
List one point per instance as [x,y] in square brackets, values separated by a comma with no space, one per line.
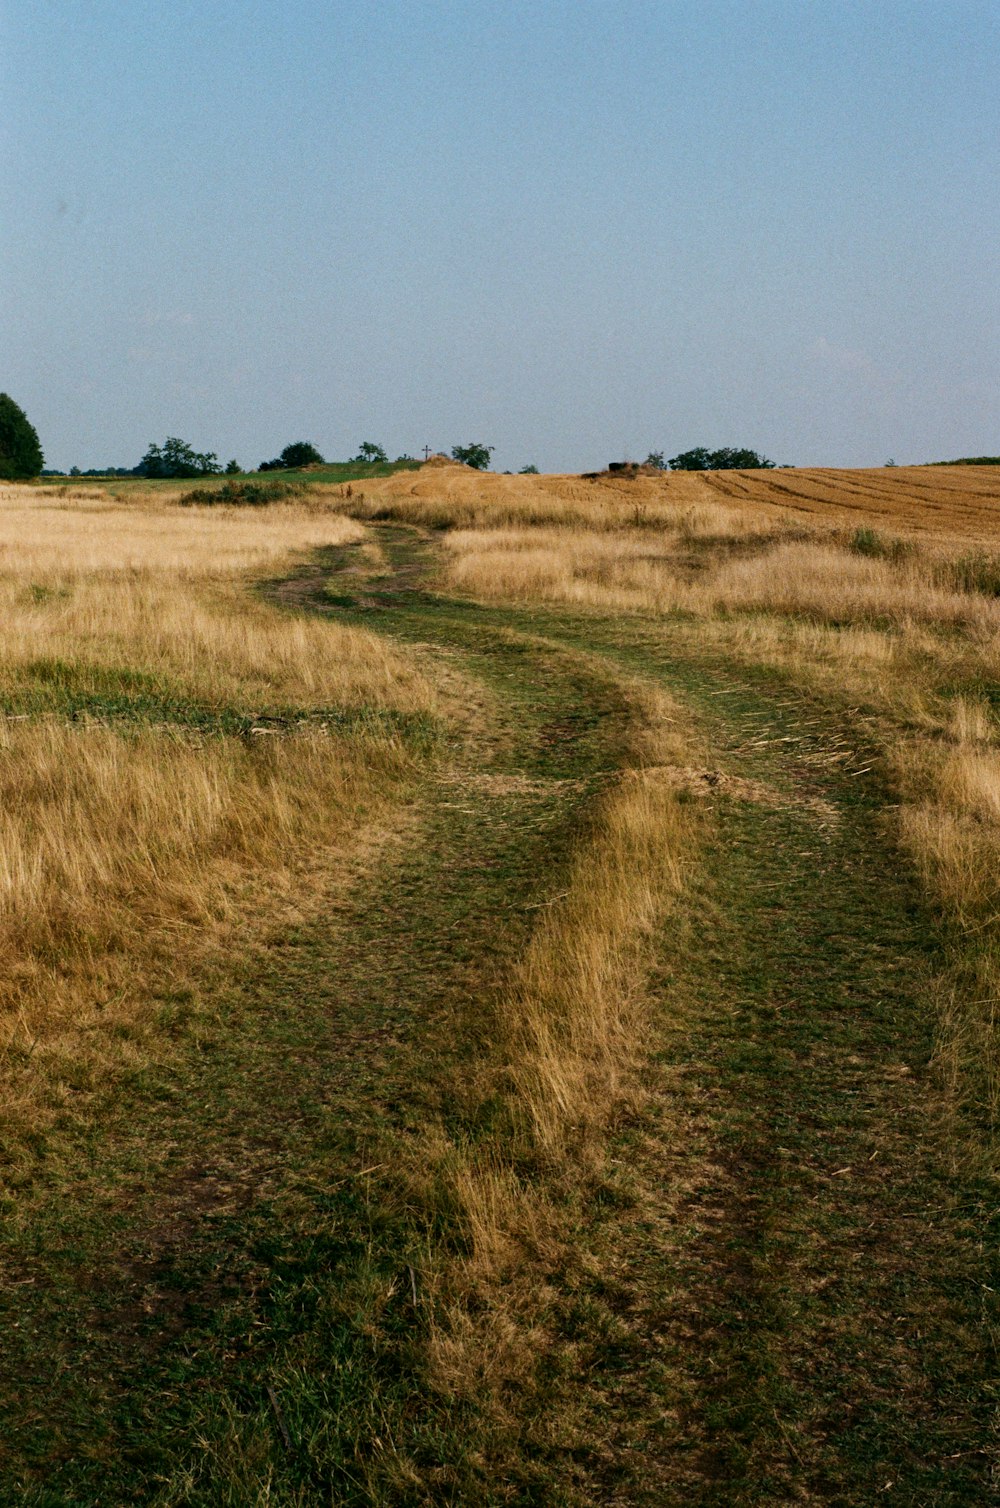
[299,453]
[726,459]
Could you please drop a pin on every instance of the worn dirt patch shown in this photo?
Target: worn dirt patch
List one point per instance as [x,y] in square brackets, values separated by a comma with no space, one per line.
[706,783]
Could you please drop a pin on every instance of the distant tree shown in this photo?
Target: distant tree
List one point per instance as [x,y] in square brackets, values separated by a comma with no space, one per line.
[726,459]
[476,456]
[967,461]
[655,459]
[175,458]
[740,460]
[75,471]
[404,457]
[369,451]
[301,453]
[890,462]
[20,453]
[528,471]
[698,459]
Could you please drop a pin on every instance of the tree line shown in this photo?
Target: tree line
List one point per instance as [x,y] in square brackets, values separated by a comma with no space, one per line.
[175,458]
[21,456]
[700,459]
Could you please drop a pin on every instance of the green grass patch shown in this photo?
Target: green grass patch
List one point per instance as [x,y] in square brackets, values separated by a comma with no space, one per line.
[354,471]
[875,546]
[121,697]
[244,493]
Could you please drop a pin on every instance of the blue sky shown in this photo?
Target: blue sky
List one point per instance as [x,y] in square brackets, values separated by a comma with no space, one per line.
[574,231]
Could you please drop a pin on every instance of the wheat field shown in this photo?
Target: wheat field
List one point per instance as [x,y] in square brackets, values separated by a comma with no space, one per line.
[173,752]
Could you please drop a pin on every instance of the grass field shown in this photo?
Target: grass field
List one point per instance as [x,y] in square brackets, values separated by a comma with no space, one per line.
[500,991]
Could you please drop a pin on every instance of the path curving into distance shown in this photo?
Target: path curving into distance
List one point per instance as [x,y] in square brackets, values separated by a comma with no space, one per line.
[776,1291]
[802,1307]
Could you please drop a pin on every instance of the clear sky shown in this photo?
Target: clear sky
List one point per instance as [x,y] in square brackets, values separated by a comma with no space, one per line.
[572,229]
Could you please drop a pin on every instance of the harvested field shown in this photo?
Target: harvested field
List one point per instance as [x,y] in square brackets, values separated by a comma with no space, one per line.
[938,502]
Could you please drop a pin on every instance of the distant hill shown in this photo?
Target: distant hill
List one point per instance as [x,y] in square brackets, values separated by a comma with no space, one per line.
[350,471]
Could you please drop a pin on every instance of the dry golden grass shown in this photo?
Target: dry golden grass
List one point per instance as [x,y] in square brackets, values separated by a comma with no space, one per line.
[817,580]
[954,502]
[609,571]
[453,497]
[949,821]
[707,543]
[127,845]
[649,572]
[160,825]
[74,531]
[160,590]
[207,640]
[572,1014]
[124,856]
[860,584]
[121,847]
[570,1030]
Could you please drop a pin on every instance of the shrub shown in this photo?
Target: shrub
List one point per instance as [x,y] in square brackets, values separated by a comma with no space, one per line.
[244,494]
[299,453]
[868,542]
[476,456]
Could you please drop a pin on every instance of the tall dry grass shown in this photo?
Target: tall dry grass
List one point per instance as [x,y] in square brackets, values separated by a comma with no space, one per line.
[793,570]
[569,1030]
[146,587]
[457,498]
[696,567]
[572,1014]
[816,579]
[127,846]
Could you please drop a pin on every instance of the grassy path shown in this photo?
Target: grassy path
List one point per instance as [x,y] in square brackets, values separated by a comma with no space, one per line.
[801,1306]
[213,1291]
[802,1309]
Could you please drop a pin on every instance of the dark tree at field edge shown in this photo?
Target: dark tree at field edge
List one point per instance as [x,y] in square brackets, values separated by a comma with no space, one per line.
[20,452]
[727,459]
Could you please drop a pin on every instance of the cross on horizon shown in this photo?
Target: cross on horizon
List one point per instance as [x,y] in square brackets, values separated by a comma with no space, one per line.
[427,451]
